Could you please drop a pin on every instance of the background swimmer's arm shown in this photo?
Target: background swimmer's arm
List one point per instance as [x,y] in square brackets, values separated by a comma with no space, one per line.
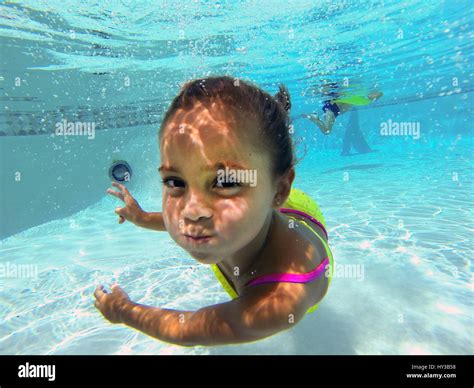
[262,311]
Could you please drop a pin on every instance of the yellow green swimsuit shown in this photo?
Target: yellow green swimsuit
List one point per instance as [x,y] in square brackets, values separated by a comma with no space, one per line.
[355,100]
[297,203]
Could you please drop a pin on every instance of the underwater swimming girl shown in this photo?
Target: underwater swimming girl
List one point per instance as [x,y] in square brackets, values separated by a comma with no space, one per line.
[227,166]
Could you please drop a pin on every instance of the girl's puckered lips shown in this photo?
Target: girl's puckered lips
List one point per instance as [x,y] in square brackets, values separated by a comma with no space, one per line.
[197,239]
[197,235]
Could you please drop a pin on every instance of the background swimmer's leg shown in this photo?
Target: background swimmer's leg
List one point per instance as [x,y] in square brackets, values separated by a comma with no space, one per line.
[326,125]
[354,136]
[329,120]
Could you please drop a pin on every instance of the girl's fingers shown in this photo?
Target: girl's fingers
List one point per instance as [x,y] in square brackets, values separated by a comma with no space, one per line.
[121,218]
[115,287]
[122,188]
[116,194]
[123,195]
[99,292]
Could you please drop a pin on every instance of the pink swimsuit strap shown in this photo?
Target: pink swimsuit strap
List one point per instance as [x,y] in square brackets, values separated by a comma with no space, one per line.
[299,212]
[292,277]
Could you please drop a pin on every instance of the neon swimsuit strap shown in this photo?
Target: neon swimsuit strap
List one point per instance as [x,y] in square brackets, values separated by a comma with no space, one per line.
[326,247]
[292,277]
[223,281]
[294,211]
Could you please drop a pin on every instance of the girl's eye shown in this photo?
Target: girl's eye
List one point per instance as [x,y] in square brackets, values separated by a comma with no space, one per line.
[172,182]
[175,183]
[227,185]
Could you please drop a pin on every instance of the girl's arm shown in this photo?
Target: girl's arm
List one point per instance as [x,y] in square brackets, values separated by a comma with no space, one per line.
[151,221]
[262,311]
[133,212]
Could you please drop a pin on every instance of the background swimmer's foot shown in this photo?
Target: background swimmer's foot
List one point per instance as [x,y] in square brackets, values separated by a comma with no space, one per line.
[324,131]
[375,95]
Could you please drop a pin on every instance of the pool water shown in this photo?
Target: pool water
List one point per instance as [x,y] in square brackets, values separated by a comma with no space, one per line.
[400,219]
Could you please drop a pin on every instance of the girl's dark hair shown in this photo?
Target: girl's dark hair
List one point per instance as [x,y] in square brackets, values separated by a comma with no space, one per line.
[270,113]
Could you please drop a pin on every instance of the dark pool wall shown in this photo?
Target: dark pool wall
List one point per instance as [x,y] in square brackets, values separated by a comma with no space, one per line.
[47,177]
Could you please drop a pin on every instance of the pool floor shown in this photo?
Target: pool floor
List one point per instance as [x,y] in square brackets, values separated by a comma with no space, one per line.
[400,226]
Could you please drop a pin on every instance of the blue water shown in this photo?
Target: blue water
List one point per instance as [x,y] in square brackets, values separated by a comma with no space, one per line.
[404,214]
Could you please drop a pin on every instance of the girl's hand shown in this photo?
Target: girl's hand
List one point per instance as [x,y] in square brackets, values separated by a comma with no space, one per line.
[132,210]
[112,304]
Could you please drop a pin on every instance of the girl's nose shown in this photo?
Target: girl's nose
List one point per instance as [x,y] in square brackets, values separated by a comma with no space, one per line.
[196,208]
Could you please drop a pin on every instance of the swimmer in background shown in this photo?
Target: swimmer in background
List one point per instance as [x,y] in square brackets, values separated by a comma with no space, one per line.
[337,105]
[266,243]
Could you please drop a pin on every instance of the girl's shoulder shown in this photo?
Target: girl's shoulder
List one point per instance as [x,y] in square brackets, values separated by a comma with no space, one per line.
[294,247]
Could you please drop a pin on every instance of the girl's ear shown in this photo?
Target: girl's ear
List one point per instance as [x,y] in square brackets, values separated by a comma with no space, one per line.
[284,187]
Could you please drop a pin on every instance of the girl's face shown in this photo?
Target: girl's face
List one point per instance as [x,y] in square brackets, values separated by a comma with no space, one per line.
[216,183]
